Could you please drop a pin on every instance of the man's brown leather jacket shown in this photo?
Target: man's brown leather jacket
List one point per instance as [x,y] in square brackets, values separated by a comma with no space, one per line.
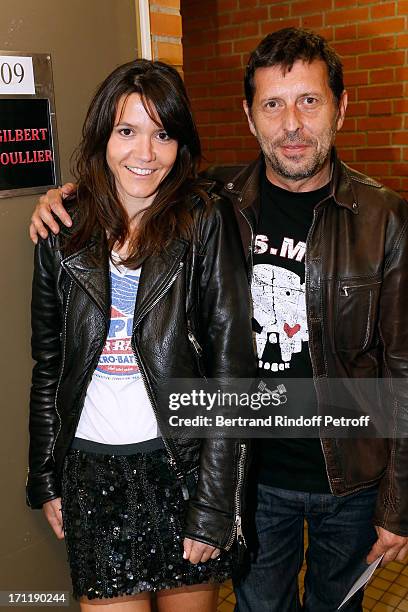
[357,311]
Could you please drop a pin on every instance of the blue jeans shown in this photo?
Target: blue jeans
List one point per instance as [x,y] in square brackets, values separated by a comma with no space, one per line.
[340,533]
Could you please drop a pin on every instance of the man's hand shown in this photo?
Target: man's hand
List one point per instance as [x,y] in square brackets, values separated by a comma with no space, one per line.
[51,201]
[52,511]
[197,552]
[394,547]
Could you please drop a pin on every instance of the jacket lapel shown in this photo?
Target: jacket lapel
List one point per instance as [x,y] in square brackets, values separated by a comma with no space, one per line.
[158,272]
[91,277]
[243,190]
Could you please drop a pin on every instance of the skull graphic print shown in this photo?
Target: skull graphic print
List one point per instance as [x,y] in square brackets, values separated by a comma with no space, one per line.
[279,313]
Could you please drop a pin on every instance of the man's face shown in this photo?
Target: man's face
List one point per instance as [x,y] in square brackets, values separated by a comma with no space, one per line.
[295,118]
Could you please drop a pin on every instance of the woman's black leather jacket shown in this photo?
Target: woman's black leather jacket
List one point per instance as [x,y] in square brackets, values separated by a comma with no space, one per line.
[192,318]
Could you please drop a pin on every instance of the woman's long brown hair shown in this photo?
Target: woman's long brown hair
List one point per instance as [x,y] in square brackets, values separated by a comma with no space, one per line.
[99,208]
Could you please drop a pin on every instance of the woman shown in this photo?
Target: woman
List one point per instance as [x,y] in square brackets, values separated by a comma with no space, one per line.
[149,284]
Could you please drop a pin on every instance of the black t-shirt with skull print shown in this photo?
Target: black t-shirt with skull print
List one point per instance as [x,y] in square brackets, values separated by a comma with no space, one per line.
[280,326]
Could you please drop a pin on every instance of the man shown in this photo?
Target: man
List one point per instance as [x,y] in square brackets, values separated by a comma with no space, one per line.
[328,255]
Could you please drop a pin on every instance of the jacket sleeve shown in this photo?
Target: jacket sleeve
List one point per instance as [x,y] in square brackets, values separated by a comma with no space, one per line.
[228,352]
[46,351]
[392,502]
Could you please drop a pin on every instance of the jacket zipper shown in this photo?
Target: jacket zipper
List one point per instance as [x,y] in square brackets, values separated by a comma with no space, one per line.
[308,324]
[197,348]
[345,289]
[251,246]
[89,378]
[64,334]
[160,295]
[149,392]
[92,369]
[140,364]
[237,527]
[195,344]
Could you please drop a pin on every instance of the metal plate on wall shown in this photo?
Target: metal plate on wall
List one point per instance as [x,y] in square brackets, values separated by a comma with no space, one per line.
[29,159]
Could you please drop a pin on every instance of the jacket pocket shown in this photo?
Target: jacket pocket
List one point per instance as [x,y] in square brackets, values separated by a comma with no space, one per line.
[356,314]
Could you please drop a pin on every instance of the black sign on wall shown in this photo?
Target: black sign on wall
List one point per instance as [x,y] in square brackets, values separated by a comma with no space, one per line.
[29,159]
[26,150]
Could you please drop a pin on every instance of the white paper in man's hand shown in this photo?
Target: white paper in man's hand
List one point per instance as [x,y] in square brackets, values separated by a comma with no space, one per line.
[362,581]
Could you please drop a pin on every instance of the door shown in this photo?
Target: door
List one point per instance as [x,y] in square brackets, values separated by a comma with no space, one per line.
[86,40]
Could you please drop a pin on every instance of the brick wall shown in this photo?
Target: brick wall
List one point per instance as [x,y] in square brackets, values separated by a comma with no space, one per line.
[165,26]
[372,39]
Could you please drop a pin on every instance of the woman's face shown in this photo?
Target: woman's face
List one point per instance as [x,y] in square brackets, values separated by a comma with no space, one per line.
[139,154]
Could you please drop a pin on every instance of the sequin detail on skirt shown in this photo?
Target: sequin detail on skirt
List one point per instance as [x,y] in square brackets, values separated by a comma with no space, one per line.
[123,518]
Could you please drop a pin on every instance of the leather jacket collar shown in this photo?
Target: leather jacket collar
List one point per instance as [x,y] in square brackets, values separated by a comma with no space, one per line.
[94,279]
[243,189]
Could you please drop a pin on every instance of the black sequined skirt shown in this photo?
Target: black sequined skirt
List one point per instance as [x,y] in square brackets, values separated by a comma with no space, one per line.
[123,521]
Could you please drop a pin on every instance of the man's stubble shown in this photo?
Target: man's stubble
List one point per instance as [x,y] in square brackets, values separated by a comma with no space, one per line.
[295,169]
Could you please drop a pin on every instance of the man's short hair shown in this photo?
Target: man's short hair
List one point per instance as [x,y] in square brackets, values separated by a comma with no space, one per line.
[283,48]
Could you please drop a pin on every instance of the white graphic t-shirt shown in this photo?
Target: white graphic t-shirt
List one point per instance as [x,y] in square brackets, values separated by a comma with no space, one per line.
[117,409]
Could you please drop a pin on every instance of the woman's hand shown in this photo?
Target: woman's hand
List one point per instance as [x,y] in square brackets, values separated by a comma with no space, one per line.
[50,203]
[53,514]
[198,552]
